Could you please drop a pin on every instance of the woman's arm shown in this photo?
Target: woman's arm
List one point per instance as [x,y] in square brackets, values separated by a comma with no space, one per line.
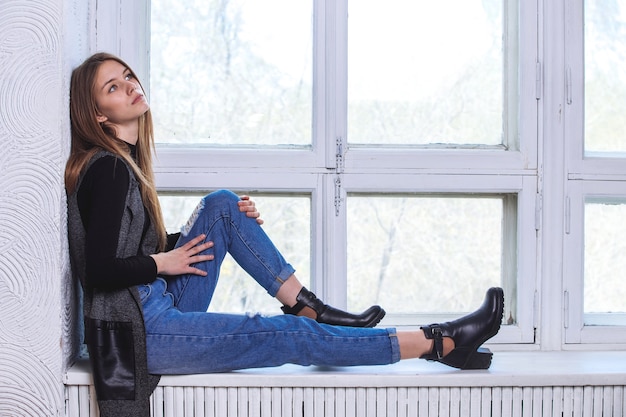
[102,201]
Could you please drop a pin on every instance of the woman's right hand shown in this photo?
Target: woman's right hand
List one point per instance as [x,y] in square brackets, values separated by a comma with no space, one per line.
[180,260]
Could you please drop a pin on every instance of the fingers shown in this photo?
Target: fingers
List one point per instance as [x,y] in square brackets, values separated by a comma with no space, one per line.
[255,215]
[192,249]
[249,207]
[197,271]
[245,204]
[193,242]
[194,258]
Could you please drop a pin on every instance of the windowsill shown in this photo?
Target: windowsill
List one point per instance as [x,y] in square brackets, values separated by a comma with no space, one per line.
[509,369]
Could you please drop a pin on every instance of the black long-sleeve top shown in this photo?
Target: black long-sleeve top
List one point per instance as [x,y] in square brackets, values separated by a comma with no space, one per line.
[101,202]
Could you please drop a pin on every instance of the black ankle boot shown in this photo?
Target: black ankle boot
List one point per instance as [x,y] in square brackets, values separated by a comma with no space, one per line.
[330,315]
[468,333]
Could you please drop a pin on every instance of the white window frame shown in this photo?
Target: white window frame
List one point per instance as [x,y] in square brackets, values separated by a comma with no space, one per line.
[586,176]
[524,187]
[316,170]
[575,329]
[581,167]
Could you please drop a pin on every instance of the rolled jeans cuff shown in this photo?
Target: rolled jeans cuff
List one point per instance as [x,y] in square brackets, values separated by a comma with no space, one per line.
[286,272]
[395,345]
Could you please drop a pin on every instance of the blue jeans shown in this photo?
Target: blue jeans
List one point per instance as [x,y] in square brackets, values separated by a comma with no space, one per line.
[183,338]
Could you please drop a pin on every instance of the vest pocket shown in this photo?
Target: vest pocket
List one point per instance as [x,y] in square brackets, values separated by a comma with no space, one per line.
[112,357]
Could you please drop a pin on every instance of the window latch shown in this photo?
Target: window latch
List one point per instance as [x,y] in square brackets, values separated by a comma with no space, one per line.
[339,155]
[338,199]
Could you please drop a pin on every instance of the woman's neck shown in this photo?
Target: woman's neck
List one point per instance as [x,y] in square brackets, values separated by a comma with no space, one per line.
[131,140]
[128,133]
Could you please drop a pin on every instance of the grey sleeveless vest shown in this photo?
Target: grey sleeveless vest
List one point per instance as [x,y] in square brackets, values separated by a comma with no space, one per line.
[114,328]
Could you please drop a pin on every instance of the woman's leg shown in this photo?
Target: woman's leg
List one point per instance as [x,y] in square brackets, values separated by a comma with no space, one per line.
[218,217]
[199,342]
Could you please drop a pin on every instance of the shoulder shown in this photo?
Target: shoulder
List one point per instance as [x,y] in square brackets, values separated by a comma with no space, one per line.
[107,161]
[108,167]
[106,171]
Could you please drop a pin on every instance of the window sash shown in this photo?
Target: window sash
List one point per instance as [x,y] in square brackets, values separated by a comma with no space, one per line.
[584,175]
[581,166]
[518,275]
[330,110]
[576,331]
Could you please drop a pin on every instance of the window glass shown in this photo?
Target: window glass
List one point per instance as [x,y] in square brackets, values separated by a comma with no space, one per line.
[605,75]
[605,262]
[287,221]
[424,72]
[231,73]
[423,254]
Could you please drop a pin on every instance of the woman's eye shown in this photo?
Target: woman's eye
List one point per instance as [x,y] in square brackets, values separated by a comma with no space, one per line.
[113,88]
[129,76]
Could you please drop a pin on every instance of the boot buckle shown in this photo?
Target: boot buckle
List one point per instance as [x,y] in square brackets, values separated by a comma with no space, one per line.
[438,341]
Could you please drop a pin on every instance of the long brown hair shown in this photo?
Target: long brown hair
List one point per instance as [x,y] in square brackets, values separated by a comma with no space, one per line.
[89,136]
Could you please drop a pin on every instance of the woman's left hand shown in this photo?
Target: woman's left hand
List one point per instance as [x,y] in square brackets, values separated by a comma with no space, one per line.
[247,206]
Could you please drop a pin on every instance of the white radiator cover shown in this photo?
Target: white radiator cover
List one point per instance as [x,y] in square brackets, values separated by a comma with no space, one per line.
[530,384]
[375,402]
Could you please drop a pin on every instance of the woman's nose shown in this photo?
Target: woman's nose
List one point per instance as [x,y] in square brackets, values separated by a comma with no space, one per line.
[132,87]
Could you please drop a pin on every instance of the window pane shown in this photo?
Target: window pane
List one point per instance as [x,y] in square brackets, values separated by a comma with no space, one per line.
[424,254]
[287,222]
[605,75]
[605,262]
[425,72]
[231,73]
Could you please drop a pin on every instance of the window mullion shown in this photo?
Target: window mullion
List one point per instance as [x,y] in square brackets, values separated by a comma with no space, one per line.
[331,60]
[335,76]
[552,139]
[332,283]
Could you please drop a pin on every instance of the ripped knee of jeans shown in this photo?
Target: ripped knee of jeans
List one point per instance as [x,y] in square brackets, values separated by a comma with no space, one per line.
[192,219]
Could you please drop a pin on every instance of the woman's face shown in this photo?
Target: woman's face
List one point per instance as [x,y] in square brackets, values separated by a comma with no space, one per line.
[119,98]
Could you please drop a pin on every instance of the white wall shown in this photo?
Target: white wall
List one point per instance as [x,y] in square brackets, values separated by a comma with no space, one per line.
[40,41]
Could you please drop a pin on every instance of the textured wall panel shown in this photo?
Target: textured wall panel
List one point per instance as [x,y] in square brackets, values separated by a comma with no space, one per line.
[33,120]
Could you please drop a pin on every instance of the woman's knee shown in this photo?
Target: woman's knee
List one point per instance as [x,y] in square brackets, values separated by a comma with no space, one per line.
[220,197]
[216,204]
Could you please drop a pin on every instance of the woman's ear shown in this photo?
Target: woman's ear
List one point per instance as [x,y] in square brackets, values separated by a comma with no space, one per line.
[101,118]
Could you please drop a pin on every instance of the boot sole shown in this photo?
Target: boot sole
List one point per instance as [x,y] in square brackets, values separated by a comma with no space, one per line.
[478,359]
[376,319]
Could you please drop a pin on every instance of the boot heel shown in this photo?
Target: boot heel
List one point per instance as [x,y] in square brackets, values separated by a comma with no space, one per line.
[468,333]
[479,359]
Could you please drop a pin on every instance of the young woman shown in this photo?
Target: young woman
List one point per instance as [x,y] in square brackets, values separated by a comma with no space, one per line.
[146,294]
